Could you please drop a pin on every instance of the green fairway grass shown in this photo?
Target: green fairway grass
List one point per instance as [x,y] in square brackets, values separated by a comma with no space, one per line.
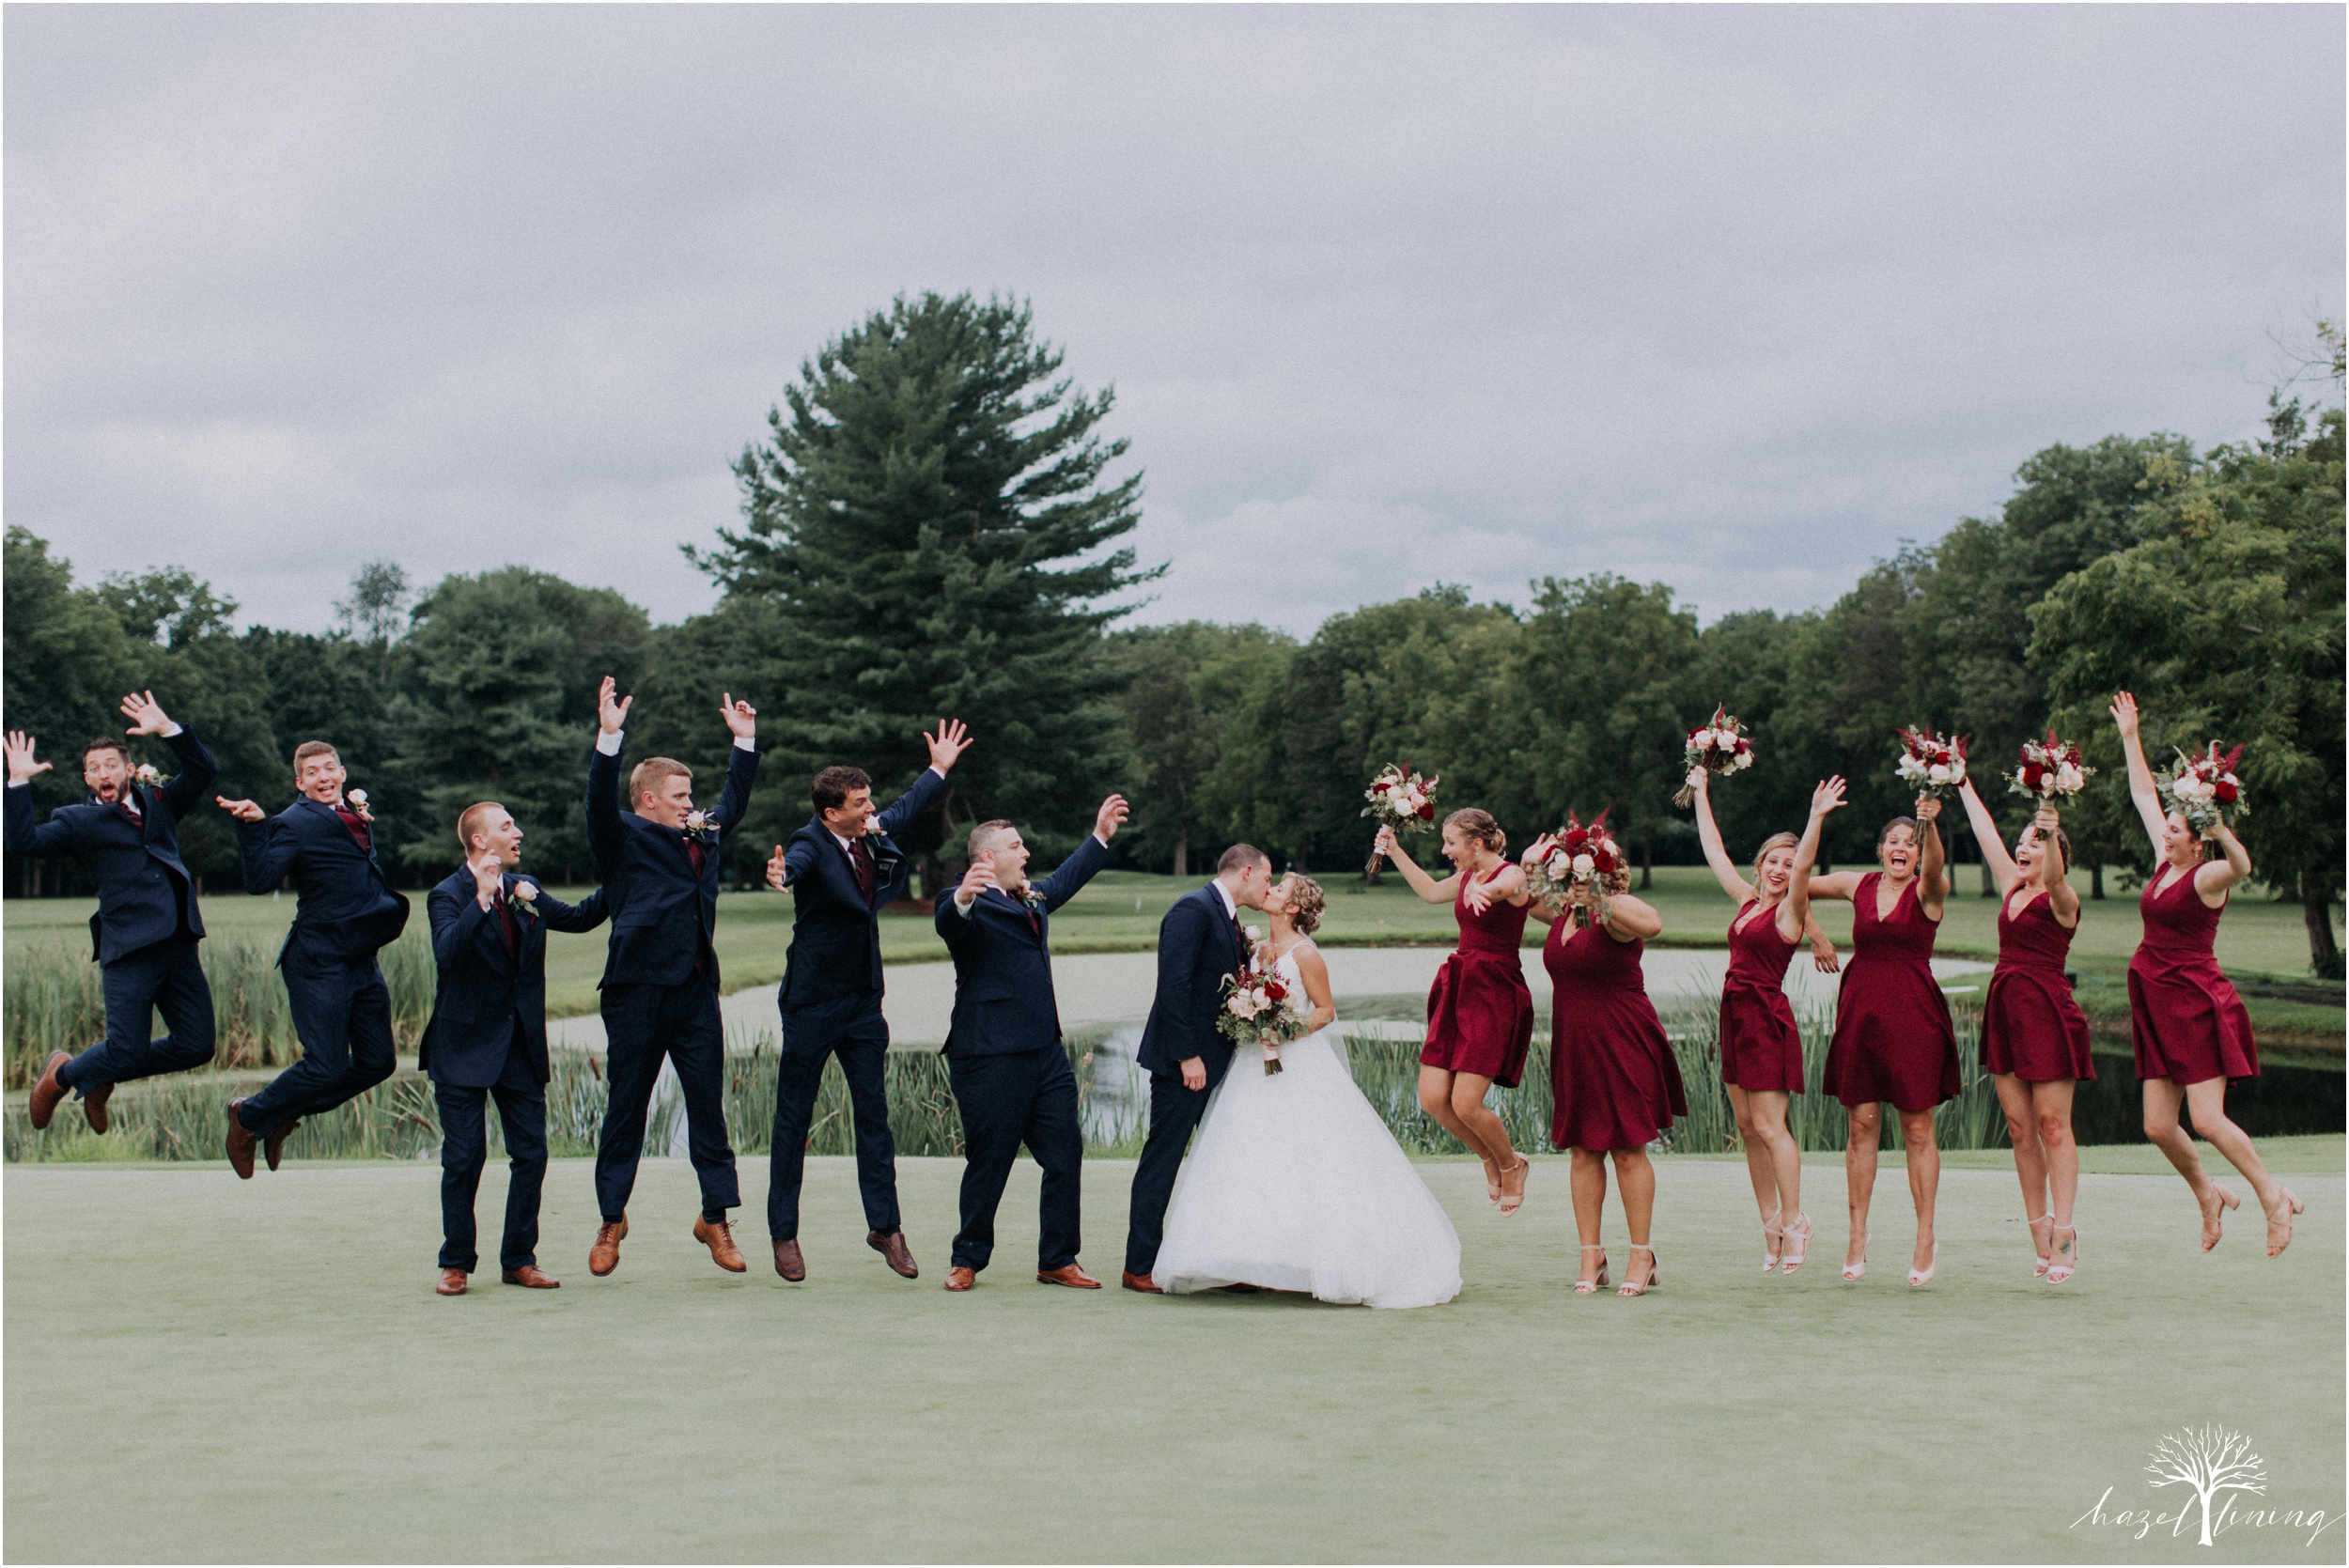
[206,1370]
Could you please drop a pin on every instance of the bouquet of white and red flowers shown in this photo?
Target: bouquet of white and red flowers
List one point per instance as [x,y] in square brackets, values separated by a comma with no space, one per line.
[1934,763]
[1260,1009]
[2050,767]
[1718,746]
[1400,798]
[1578,852]
[2204,790]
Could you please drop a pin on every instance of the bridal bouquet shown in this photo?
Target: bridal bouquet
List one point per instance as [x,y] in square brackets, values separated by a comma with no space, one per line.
[2204,790]
[2050,767]
[1718,746]
[1260,1010]
[1578,853]
[1401,799]
[1934,763]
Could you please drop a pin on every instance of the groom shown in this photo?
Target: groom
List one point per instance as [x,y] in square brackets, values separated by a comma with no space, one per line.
[1199,943]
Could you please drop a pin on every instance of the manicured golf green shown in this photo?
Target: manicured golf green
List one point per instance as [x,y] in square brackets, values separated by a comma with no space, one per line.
[206,1370]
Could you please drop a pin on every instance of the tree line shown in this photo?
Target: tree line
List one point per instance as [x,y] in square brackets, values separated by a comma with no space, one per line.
[929,527]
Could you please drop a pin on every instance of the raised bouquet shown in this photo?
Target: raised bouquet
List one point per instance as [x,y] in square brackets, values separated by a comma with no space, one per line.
[1577,853]
[1260,1009]
[1933,765]
[1718,746]
[2204,790]
[2050,767]
[1401,799]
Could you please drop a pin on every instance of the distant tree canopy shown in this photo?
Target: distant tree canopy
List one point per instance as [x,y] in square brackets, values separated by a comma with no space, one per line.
[929,529]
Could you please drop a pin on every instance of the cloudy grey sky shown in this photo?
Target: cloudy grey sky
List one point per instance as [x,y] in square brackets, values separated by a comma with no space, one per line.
[1734,298]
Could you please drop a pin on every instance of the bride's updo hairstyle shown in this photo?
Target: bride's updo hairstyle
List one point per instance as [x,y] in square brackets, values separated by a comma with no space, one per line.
[1474,822]
[1306,901]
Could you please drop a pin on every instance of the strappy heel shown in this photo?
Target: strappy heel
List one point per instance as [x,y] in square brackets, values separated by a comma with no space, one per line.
[2066,1261]
[1591,1287]
[1641,1287]
[1797,1245]
[1773,1240]
[1492,1183]
[1917,1279]
[2039,1268]
[1859,1269]
[2215,1217]
[1512,1195]
[2290,1206]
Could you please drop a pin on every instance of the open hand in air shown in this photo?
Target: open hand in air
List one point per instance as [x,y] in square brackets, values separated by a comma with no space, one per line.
[244,811]
[778,875]
[23,764]
[611,711]
[1111,817]
[952,740]
[146,716]
[742,718]
[1828,797]
[2123,713]
[978,879]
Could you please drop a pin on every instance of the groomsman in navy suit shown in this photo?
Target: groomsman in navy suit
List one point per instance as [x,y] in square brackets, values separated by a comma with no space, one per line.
[487,1038]
[345,912]
[1199,943]
[658,862]
[841,869]
[143,935]
[1004,1052]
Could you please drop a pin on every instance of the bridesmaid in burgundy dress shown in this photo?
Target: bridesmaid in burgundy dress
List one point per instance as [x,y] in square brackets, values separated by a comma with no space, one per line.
[2192,1031]
[1760,1048]
[1611,1072]
[1894,1038]
[1480,1013]
[2034,1038]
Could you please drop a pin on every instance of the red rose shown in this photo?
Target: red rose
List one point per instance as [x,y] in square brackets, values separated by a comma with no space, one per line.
[1427,812]
[1744,745]
[2032,774]
[2225,793]
[1275,991]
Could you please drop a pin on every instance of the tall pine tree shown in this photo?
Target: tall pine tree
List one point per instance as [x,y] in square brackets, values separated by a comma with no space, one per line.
[927,519]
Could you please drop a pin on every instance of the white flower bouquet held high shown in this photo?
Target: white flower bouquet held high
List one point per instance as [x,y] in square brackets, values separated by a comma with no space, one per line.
[1718,746]
[2204,790]
[2050,767]
[1259,1009]
[1933,765]
[1401,799]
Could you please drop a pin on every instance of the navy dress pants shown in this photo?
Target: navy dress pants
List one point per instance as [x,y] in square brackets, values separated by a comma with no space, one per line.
[862,1048]
[1030,1097]
[166,977]
[643,1024]
[342,1013]
[1174,1110]
[521,1103]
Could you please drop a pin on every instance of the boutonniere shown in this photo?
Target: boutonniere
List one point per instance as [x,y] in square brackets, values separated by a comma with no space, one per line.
[526,897]
[1032,898]
[702,825]
[147,773]
[357,800]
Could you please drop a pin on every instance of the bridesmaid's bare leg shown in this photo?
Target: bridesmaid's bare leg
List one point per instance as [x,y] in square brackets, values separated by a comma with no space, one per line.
[2016,1100]
[2208,1100]
[1769,1122]
[2051,1106]
[1590,1201]
[1485,1130]
[1435,1097]
[1760,1169]
[1924,1179]
[2162,1099]
[1635,1178]
[1860,1174]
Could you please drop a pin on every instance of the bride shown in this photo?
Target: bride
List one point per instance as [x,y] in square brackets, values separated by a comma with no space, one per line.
[1295,1183]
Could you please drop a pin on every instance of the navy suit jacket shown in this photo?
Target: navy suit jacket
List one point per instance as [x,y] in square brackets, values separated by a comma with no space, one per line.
[345,909]
[485,991]
[1004,997]
[1197,947]
[144,893]
[835,930]
[663,917]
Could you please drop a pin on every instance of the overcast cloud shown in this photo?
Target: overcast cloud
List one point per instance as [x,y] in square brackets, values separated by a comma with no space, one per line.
[1734,298]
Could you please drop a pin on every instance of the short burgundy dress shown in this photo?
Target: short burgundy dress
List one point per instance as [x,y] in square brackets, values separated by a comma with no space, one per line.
[1760,1046]
[2188,1021]
[1894,1038]
[1611,1072]
[2031,1026]
[1480,1012]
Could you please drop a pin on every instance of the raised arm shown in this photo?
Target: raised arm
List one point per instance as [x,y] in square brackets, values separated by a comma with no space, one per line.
[603,778]
[196,767]
[1716,852]
[1422,884]
[1800,886]
[2212,879]
[578,918]
[268,847]
[2061,901]
[1092,854]
[742,763]
[2142,791]
[24,837]
[1986,834]
[1932,888]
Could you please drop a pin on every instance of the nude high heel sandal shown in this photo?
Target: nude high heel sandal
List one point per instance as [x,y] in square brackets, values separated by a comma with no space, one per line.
[1591,1287]
[1917,1278]
[1513,1193]
[1797,1245]
[2039,1264]
[2282,1214]
[1858,1270]
[1640,1287]
[1773,1240]
[2066,1261]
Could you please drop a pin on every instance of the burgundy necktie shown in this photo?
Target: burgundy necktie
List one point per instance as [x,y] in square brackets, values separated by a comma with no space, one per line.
[358,826]
[862,854]
[693,853]
[129,804]
[513,934]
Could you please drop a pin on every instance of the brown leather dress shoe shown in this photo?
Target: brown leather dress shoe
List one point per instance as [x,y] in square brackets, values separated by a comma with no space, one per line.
[240,1145]
[1132,1280]
[1070,1275]
[452,1282]
[604,1256]
[42,1103]
[892,1247]
[274,1146]
[532,1275]
[94,1106]
[718,1236]
[789,1263]
[959,1278]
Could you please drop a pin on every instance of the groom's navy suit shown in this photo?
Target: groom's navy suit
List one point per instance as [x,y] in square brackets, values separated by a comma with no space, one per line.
[1003,1056]
[344,912]
[487,1037]
[659,995]
[1199,943]
[145,932]
[830,999]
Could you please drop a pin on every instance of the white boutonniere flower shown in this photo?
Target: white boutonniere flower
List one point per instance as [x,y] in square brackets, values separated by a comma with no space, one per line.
[701,824]
[357,800]
[526,895]
[147,773]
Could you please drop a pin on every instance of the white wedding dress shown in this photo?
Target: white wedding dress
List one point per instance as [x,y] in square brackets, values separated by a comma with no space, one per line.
[1295,1184]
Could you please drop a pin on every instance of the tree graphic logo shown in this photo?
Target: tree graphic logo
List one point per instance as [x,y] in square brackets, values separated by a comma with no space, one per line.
[2211,1460]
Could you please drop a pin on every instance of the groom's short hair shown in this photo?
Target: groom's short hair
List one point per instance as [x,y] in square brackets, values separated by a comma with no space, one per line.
[984,836]
[1240,855]
[835,784]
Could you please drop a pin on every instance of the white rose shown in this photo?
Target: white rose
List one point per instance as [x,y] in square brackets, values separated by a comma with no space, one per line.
[1910,768]
[2068,778]
[356,797]
[526,892]
[1936,774]
[1583,865]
